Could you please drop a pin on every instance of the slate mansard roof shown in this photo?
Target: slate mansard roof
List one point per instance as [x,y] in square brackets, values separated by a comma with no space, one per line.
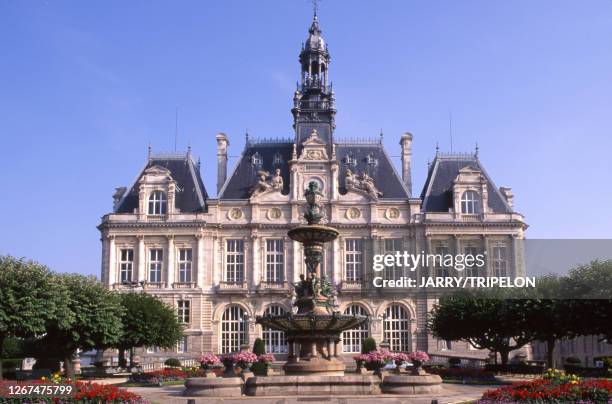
[190,195]
[437,195]
[368,157]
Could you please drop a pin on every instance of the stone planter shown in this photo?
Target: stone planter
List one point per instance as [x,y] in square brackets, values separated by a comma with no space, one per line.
[409,384]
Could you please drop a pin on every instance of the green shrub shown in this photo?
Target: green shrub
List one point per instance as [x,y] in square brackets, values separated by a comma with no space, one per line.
[572,360]
[259,368]
[12,363]
[368,345]
[173,363]
[259,348]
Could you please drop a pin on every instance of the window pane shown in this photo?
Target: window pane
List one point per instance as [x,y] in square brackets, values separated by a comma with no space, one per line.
[274,340]
[352,339]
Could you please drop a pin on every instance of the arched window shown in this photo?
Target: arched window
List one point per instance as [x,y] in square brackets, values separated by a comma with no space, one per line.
[352,339]
[274,340]
[470,202]
[396,328]
[157,203]
[233,329]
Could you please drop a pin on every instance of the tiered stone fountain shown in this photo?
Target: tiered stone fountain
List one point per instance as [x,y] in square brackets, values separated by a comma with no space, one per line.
[313,333]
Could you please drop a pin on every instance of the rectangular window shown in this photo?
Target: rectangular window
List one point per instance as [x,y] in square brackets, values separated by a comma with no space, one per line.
[354,260]
[185,263]
[181,346]
[156,261]
[234,261]
[183,311]
[500,260]
[440,251]
[391,246]
[275,260]
[126,264]
[472,270]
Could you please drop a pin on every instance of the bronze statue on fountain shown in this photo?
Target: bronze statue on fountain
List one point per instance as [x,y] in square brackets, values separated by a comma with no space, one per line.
[313,332]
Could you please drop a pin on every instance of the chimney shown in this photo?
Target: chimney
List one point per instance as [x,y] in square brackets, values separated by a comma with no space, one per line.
[222,144]
[508,195]
[406,143]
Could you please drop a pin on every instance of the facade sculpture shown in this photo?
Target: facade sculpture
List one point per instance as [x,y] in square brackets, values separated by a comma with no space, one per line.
[362,183]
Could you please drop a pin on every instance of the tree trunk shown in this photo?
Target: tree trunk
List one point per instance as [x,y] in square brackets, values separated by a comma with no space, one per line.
[131,357]
[68,369]
[550,353]
[122,361]
[1,356]
[504,356]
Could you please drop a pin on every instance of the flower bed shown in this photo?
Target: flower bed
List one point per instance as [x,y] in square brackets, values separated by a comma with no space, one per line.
[550,391]
[166,375]
[85,392]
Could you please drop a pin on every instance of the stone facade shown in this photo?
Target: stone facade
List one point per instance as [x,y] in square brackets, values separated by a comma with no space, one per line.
[222,261]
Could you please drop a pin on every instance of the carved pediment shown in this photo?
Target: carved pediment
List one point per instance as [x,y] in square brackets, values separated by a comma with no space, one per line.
[156,173]
[314,148]
[469,174]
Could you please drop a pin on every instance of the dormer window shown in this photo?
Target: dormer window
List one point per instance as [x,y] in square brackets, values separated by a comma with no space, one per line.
[371,159]
[278,159]
[470,203]
[350,160]
[158,203]
[257,160]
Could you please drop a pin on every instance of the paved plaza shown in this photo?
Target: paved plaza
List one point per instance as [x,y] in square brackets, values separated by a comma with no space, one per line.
[452,393]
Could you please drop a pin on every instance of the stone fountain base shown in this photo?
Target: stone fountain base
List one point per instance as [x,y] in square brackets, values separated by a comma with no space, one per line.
[411,384]
[213,387]
[312,385]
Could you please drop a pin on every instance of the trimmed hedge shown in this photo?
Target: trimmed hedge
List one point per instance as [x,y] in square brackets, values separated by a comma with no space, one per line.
[518,368]
[368,345]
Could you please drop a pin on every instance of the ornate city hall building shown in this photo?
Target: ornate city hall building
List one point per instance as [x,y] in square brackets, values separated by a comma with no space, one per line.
[223,261]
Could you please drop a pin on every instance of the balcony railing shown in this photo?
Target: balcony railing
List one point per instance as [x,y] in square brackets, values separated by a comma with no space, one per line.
[232,285]
[356,284]
[183,285]
[274,285]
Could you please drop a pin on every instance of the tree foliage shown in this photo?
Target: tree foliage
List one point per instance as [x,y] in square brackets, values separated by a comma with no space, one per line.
[95,323]
[31,299]
[147,321]
[486,319]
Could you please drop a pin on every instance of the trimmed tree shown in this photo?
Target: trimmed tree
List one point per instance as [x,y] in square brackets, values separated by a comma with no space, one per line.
[31,299]
[147,321]
[96,322]
[487,320]
[368,345]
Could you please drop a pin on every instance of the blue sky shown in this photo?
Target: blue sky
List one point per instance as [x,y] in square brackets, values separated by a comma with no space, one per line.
[86,86]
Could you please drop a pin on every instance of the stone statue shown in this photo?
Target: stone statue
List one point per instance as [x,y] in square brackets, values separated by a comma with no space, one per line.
[264,184]
[277,180]
[363,183]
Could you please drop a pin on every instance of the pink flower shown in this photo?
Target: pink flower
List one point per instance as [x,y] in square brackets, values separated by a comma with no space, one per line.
[209,359]
[418,356]
[400,356]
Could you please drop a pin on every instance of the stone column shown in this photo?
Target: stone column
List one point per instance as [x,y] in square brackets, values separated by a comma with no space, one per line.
[142,259]
[112,261]
[200,266]
[255,261]
[217,261]
[170,262]
[104,261]
[485,248]
[296,261]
